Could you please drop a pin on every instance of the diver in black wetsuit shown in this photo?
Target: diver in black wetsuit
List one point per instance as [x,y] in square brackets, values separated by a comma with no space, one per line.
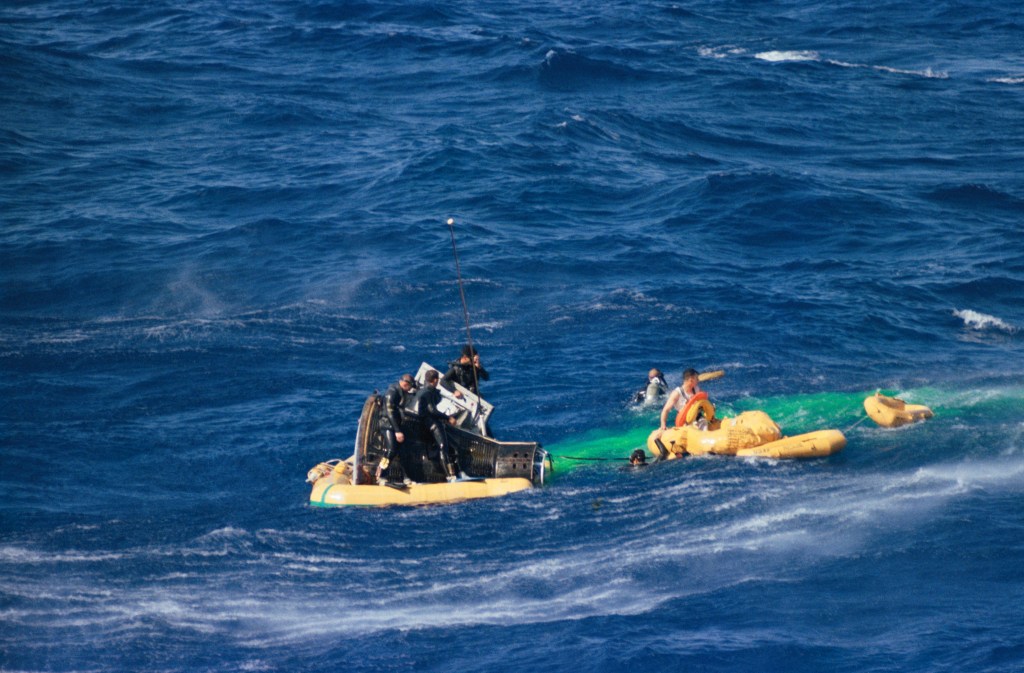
[461,372]
[395,400]
[424,407]
[638,458]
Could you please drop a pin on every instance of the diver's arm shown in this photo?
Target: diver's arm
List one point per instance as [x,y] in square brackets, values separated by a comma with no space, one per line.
[446,380]
[435,413]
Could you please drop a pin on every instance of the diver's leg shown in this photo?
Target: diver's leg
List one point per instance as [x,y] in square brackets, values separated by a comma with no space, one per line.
[390,447]
[442,448]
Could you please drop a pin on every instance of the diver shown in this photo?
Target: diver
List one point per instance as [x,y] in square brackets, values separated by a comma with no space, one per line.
[395,401]
[678,398]
[655,390]
[424,408]
[638,458]
[466,371]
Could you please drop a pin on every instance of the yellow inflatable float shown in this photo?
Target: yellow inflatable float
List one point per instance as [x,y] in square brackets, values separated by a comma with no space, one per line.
[751,433]
[892,412]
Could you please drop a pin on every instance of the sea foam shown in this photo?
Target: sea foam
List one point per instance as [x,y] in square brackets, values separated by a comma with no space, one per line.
[781,56]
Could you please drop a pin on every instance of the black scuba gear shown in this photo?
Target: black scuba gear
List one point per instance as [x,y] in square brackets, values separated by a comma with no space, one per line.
[462,373]
[394,412]
[395,400]
[424,407]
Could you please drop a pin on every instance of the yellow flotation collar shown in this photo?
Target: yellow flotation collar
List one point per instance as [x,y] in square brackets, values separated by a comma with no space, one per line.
[696,404]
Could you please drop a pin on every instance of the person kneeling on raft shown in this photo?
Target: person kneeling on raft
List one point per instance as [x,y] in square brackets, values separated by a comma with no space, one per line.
[424,408]
[679,397]
[395,400]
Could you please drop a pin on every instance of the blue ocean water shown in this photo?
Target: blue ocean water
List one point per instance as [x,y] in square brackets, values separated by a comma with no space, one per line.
[222,226]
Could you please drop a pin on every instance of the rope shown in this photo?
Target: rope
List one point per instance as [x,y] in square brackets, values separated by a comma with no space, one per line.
[465,309]
[589,459]
[855,425]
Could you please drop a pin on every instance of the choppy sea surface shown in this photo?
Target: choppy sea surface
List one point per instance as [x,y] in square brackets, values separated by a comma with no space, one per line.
[222,226]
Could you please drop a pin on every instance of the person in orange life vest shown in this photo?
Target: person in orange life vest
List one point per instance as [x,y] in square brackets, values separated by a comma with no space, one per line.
[678,398]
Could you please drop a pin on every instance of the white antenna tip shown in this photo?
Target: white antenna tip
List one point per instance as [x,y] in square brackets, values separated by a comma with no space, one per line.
[451,221]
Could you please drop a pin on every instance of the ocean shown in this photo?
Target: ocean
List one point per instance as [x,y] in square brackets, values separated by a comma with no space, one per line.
[222,226]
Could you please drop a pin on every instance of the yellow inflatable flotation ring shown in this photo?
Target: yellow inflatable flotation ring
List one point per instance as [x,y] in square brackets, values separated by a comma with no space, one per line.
[696,404]
[892,412]
[751,433]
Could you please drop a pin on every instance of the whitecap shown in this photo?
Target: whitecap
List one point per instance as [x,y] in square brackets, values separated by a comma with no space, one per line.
[710,52]
[1006,80]
[781,56]
[981,321]
[720,52]
[489,326]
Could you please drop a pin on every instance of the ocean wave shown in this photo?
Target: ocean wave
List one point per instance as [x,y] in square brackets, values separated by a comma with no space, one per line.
[225,533]
[21,555]
[982,321]
[1018,79]
[974,195]
[586,129]
[568,69]
[927,73]
[797,56]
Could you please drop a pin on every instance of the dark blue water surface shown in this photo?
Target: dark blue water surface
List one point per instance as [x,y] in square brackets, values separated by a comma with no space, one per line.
[222,226]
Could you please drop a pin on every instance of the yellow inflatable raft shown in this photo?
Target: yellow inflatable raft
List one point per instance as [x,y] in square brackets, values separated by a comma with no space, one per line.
[892,412]
[751,433]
